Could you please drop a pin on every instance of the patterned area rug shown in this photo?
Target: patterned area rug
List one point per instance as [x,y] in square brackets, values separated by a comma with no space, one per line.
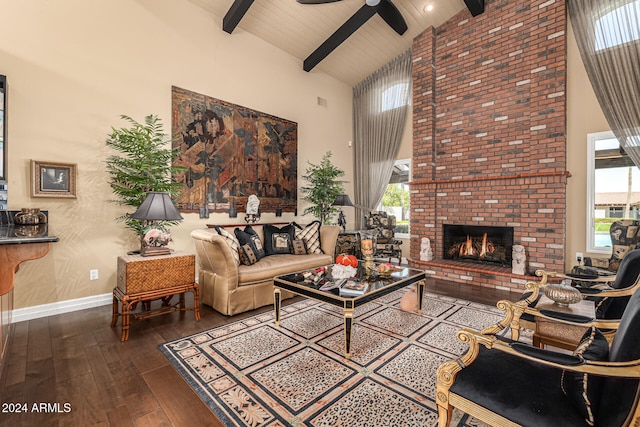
[252,373]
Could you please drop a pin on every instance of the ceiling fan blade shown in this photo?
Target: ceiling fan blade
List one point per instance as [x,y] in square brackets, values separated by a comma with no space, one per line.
[340,35]
[316,1]
[392,16]
[235,14]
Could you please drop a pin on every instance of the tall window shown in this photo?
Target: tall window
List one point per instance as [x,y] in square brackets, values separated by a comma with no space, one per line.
[614,28]
[395,96]
[613,189]
[395,200]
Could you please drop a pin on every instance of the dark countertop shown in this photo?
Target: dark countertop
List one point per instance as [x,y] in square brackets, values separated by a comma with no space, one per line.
[18,234]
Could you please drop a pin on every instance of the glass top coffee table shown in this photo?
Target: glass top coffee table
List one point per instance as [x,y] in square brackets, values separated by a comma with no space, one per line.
[308,283]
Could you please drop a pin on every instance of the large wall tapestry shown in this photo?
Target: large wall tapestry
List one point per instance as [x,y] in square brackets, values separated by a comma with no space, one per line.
[231,152]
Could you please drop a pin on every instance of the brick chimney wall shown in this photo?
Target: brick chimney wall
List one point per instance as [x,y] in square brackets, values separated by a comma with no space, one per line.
[489,134]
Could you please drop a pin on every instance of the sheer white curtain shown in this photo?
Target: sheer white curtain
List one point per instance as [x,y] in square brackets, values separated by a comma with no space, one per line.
[608,37]
[380,105]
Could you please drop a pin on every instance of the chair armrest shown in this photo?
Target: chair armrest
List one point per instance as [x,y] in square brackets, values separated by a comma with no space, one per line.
[215,256]
[572,319]
[329,238]
[568,317]
[572,276]
[547,355]
[629,369]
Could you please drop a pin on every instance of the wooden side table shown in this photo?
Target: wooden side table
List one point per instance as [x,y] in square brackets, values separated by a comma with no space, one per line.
[148,278]
[558,334]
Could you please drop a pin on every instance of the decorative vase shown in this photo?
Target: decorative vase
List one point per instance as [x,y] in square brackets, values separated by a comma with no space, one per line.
[367,248]
[30,230]
[30,216]
[561,294]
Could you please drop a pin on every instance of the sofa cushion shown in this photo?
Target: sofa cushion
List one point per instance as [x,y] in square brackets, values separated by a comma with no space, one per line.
[299,248]
[310,234]
[232,242]
[584,390]
[247,255]
[278,240]
[251,238]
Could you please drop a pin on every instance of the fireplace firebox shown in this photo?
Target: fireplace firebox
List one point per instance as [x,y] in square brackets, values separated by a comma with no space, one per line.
[478,244]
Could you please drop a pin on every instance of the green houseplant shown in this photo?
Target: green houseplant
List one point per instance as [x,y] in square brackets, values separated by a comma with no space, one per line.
[144,164]
[323,189]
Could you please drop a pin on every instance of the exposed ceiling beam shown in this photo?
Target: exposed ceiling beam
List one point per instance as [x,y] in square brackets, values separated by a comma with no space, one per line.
[385,8]
[476,7]
[235,14]
[340,35]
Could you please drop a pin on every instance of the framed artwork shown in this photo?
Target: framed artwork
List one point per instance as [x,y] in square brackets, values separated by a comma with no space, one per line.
[231,152]
[49,179]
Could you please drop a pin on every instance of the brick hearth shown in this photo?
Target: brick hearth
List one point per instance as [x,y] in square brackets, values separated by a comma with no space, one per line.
[489,135]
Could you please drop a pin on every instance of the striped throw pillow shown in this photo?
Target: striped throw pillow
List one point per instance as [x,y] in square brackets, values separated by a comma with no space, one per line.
[233,243]
[310,235]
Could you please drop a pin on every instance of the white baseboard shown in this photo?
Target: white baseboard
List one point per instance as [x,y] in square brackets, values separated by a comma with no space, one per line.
[44,310]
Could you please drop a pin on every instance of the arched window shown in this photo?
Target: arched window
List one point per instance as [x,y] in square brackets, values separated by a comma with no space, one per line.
[617,27]
[395,96]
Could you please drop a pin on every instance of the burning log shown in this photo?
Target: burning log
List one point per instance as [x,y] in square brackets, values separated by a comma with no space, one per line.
[470,248]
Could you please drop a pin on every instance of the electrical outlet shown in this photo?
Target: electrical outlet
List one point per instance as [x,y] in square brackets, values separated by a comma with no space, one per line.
[93,274]
[579,257]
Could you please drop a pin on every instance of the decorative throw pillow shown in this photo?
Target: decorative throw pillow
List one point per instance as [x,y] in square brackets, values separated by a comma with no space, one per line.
[251,238]
[310,234]
[247,255]
[299,247]
[230,240]
[584,390]
[278,240]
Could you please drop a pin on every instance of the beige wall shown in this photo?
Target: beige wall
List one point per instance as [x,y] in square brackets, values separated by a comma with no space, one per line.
[74,66]
[584,116]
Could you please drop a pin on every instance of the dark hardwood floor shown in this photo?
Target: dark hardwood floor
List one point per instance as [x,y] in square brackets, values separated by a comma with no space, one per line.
[72,370]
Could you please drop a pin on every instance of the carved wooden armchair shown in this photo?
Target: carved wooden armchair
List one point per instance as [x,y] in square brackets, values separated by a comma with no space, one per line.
[625,236]
[387,246]
[509,383]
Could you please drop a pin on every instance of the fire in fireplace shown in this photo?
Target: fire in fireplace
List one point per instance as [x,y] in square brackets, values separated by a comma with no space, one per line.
[480,244]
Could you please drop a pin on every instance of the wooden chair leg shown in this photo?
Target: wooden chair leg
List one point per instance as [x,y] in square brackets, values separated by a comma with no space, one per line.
[114,316]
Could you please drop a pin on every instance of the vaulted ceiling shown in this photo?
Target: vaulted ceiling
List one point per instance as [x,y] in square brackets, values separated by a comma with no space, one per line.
[300,29]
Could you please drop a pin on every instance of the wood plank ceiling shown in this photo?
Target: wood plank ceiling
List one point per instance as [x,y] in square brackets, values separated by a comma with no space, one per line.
[299,29]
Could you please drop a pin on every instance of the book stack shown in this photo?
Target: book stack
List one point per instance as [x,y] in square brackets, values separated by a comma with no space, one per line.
[352,288]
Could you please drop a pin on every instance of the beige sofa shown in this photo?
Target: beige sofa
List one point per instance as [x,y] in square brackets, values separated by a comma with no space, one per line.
[231,288]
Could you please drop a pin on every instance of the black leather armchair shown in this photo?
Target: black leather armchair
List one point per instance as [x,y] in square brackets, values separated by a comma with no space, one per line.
[508,383]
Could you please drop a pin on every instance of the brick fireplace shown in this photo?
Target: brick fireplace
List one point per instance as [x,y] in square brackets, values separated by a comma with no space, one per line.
[489,135]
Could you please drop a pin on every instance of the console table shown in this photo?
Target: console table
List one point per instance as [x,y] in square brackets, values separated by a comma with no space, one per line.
[142,279]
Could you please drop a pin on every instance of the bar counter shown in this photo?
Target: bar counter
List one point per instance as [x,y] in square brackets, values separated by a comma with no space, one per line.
[19,243]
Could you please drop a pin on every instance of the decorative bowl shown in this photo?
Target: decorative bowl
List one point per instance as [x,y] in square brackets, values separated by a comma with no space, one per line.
[561,294]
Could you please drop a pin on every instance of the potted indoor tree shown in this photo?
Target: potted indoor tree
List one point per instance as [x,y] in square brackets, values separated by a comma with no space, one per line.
[144,163]
[323,188]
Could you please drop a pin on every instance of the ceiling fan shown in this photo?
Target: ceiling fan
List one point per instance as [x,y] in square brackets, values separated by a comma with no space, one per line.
[385,8]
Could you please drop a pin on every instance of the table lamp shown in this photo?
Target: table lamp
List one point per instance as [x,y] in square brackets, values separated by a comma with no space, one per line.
[157,207]
[342,200]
